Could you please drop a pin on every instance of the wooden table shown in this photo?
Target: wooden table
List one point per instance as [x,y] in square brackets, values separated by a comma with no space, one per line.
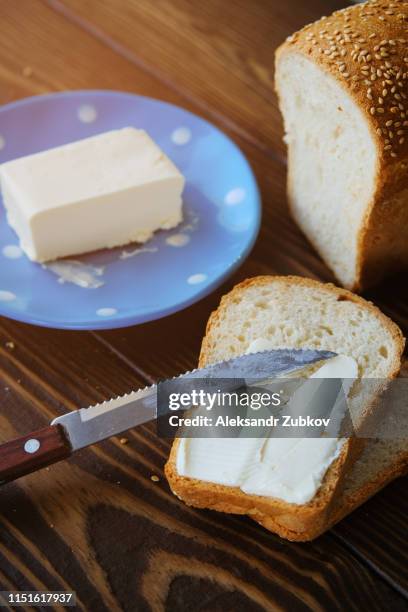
[98,524]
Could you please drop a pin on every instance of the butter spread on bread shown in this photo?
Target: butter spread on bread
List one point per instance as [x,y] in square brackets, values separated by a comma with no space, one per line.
[279,466]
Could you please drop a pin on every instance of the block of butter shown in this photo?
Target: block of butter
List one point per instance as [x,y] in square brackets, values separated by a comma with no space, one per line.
[101,192]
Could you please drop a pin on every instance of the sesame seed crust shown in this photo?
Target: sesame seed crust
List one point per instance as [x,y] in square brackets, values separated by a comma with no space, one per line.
[366,47]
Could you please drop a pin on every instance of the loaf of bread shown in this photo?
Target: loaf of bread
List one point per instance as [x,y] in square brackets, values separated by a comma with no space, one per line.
[292,312]
[342,84]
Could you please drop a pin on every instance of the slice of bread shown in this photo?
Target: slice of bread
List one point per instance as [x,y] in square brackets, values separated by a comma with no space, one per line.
[342,84]
[292,312]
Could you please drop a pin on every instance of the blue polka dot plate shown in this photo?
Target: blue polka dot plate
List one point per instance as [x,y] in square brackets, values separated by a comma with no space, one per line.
[139,283]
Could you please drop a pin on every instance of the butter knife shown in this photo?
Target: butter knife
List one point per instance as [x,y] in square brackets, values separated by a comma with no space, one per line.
[80,428]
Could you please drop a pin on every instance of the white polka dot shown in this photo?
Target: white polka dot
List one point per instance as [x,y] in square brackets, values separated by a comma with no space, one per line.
[178,240]
[87,113]
[106,312]
[235,196]
[6,296]
[230,223]
[32,446]
[181,136]
[195,279]
[12,251]
[2,142]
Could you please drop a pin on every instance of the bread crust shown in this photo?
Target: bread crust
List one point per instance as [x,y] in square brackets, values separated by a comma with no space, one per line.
[364,48]
[292,521]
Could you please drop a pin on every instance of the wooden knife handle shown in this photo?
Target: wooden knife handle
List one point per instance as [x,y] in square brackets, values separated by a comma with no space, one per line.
[33,452]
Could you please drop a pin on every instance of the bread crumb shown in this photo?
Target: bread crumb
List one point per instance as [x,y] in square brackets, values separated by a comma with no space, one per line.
[27,71]
[155,478]
[10,345]
[123,440]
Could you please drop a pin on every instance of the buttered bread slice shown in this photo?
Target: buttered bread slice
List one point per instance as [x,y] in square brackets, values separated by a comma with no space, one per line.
[292,312]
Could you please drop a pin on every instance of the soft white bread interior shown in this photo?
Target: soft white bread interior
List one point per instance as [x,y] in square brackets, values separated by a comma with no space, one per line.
[342,84]
[294,312]
[380,461]
[332,162]
[299,313]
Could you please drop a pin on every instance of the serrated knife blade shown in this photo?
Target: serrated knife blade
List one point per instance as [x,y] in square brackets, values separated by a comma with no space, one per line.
[86,426]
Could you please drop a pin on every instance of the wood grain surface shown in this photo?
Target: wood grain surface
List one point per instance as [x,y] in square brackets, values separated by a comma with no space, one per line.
[97,523]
